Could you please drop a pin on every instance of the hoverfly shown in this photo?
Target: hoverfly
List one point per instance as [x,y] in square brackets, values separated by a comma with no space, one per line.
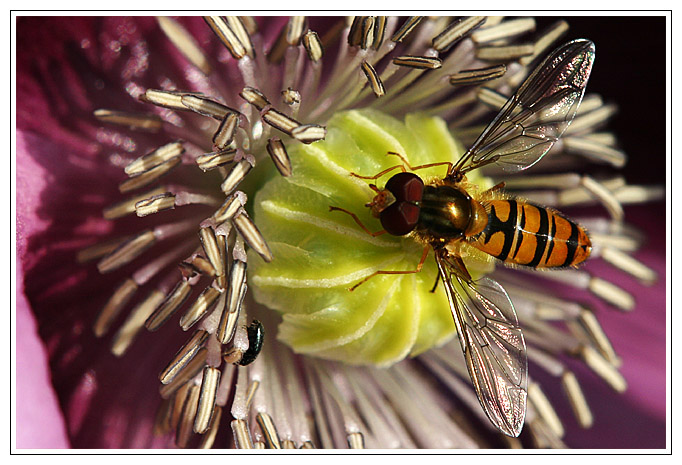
[443,215]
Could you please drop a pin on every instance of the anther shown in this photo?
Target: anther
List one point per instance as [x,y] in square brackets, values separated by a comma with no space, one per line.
[373,79]
[132,120]
[207,107]
[455,32]
[154,158]
[185,355]
[418,62]
[126,334]
[407,27]
[149,176]
[207,398]
[200,307]
[237,175]
[225,133]
[173,301]
[279,156]
[504,52]
[503,30]
[155,204]
[252,235]
[127,252]
[210,161]
[226,36]
[113,307]
[477,76]
[184,42]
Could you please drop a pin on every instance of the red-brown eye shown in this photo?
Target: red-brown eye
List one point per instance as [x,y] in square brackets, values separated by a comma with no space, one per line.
[406,187]
[400,218]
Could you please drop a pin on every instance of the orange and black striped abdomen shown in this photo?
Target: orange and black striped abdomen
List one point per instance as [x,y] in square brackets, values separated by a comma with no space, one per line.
[525,234]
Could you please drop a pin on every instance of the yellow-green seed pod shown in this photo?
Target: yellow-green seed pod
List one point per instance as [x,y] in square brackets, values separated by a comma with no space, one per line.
[319,255]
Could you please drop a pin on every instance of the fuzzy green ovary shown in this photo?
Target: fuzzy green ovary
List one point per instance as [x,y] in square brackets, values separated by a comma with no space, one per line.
[319,254]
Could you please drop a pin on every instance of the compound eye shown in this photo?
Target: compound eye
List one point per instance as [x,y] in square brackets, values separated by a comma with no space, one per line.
[406,187]
[400,218]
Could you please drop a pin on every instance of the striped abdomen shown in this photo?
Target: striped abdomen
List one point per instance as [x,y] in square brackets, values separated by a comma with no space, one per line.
[528,235]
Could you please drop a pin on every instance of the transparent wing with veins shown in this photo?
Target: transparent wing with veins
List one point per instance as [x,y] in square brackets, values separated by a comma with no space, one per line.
[493,346]
[536,116]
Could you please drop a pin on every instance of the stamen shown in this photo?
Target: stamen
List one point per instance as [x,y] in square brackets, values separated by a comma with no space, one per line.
[165,98]
[226,36]
[154,158]
[595,150]
[185,355]
[189,411]
[545,409]
[291,97]
[612,293]
[356,441]
[131,120]
[379,30]
[577,400]
[418,62]
[603,368]
[590,325]
[173,301]
[207,397]
[367,36]
[279,156]
[149,176]
[295,28]
[239,171]
[100,249]
[280,121]
[210,244]
[235,295]
[548,37]
[255,97]
[252,236]
[155,204]
[200,307]
[504,52]
[126,334]
[588,121]
[355,32]
[250,24]
[237,26]
[374,79]
[209,438]
[267,426]
[188,372]
[407,27]
[211,161]
[230,207]
[313,46]
[207,107]
[503,30]
[629,264]
[240,431]
[127,252]
[162,419]
[113,307]
[225,133]
[456,31]
[309,133]
[184,42]
[492,98]
[477,76]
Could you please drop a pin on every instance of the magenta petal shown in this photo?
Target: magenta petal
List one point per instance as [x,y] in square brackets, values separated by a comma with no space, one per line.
[40,424]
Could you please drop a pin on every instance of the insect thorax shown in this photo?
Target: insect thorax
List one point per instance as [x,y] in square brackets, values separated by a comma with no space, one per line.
[445,212]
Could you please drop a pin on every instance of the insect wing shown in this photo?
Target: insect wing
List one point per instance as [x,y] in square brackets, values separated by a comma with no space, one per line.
[493,345]
[536,116]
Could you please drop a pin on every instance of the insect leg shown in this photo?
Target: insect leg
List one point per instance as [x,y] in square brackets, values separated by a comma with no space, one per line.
[378,175]
[417,270]
[357,220]
[420,167]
